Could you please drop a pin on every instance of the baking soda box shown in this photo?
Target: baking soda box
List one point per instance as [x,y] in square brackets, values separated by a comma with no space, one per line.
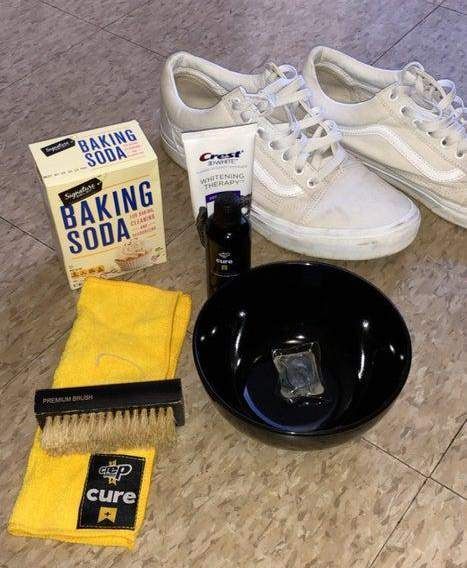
[103,194]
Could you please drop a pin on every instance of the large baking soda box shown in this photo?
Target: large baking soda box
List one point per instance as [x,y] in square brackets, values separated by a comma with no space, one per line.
[103,194]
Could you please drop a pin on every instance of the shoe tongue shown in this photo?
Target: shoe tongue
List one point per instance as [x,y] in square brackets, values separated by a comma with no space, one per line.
[278,115]
[272,73]
[237,93]
[430,95]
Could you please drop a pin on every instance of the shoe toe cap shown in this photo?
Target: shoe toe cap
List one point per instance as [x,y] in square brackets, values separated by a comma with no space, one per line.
[357,199]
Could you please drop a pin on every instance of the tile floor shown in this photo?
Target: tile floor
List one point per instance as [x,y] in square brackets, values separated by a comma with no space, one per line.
[393,499]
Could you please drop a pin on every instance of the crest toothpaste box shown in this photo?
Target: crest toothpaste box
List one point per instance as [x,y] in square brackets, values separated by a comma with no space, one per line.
[103,194]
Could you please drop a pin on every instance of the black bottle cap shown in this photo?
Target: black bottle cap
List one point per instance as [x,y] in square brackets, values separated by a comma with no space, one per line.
[227,209]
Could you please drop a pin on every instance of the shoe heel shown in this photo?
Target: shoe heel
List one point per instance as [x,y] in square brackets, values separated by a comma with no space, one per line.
[172,152]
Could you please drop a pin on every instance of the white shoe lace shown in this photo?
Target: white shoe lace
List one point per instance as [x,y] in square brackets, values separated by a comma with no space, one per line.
[309,139]
[441,112]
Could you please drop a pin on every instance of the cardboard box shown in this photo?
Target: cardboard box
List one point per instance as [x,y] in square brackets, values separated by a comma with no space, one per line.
[103,193]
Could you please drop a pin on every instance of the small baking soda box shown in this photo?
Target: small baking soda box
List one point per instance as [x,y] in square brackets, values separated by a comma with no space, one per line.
[103,193]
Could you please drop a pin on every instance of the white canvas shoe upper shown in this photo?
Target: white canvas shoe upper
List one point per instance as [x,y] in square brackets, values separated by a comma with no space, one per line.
[404,124]
[308,194]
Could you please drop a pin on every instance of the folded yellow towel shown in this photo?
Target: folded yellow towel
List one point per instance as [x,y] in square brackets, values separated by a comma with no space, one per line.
[123,332]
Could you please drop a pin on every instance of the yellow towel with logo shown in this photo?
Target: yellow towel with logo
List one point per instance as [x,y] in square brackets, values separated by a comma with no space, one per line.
[123,332]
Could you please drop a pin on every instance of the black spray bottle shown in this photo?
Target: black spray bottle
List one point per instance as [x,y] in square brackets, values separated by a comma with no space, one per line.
[226,236]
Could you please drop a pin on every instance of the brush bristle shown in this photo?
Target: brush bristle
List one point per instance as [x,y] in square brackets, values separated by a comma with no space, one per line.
[108,431]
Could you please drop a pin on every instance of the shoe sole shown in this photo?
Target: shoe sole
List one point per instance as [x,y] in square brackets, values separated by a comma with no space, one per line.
[447,210]
[325,243]
[334,243]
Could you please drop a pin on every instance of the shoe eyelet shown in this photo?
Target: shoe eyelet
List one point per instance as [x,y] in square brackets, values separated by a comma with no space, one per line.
[271,145]
[443,142]
[460,155]
[310,183]
[284,157]
[299,172]
[393,96]
[403,110]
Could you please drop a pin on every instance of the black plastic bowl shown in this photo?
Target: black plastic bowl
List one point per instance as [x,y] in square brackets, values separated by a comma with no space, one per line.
[364,342]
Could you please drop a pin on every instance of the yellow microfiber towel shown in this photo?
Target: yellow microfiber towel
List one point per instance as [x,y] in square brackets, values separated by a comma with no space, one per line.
[123,332]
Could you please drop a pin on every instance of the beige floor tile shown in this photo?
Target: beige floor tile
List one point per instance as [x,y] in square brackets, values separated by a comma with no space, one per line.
[452,470]
[224,499]
[291,508]
[18,551]
[33,33]
[431,534]
[121,84]
[245,34]
[218,498]
[18,425]
[101,13]
[427,283]
[36,305]
[426,44]
[459,5]
[19,254]
[11,478]
[16,407]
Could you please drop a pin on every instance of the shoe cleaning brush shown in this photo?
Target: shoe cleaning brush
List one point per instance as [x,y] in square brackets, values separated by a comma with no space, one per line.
[103,418]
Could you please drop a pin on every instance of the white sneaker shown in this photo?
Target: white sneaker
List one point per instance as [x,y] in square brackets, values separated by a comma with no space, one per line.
[308,195]
[405,125]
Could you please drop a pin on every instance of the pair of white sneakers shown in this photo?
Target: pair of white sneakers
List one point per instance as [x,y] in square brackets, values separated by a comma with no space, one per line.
[309,194]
